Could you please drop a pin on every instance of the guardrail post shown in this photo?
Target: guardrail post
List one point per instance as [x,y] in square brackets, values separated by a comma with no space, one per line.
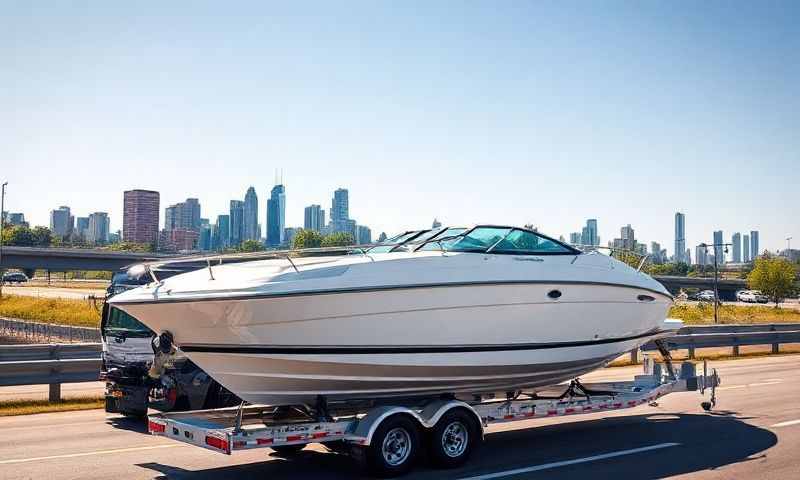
[691,352]
[635,356]
[735,350]
[776,348]
[55,393]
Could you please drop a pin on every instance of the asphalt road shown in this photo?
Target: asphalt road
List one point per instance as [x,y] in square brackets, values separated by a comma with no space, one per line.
[54,292]
[755,433]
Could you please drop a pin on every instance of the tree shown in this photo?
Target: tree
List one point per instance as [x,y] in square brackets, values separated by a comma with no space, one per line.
[18,236]
[338,239]
[130,247]
[42,237]
[307,239]
[774,276]
[251,246]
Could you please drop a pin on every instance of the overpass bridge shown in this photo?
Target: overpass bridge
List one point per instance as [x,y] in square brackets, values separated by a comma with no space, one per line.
[66,259]
[727,287]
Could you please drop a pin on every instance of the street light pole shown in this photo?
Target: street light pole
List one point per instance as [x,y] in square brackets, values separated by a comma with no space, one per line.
[716,274]
[788,245]
[2,221]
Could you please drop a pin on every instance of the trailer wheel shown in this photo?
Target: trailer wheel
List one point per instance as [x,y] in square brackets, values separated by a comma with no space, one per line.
[288,450]
[394,447]
[453,438]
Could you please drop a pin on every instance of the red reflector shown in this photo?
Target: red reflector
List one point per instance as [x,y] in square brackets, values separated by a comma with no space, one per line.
[156,427]
[217,443]
[508,417]
[552,412]
[239,444]
[293,438]
[319,435]
[263,441]
[569,410]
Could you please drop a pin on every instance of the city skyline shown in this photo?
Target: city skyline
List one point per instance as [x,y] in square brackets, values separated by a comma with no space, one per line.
[566,116]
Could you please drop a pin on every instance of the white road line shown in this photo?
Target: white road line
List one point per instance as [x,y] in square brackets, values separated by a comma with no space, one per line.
[87,454]
[759,384]
[593,458]
[786,424]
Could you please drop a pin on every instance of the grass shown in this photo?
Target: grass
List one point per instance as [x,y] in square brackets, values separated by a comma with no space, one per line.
[28,407]
[50,310]
[701,314]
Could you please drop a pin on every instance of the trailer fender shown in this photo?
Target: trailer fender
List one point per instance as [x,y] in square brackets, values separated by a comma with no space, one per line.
[427,418]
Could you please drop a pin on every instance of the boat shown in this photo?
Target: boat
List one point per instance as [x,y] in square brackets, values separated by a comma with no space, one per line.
[458,311]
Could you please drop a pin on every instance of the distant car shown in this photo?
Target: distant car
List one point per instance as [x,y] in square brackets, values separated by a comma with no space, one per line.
[706,296]
[14,277]
[751,296]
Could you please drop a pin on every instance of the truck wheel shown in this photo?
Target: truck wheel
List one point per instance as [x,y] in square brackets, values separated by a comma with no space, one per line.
[452,439]
[288,450]
[394,447]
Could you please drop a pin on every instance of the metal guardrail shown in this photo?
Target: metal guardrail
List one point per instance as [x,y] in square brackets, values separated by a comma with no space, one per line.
[55,364]
[47,332]
[51,364]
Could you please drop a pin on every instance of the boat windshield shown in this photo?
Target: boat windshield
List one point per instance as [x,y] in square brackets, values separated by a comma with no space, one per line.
[433,243]
[389,244]
[501,240]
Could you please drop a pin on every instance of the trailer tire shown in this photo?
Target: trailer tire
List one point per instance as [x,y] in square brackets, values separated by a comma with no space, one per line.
[394,447]
[453,438]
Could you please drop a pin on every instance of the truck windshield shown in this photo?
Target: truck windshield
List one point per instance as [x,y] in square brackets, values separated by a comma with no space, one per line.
[119,322]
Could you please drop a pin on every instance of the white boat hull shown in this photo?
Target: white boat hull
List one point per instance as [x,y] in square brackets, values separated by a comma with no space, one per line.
[469,338]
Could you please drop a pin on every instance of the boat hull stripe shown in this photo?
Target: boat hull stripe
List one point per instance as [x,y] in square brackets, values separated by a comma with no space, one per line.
[373,350]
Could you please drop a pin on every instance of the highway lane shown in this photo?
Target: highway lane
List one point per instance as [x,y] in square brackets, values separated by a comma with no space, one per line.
[756,431]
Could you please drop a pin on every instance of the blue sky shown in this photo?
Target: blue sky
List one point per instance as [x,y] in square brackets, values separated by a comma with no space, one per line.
[506,112]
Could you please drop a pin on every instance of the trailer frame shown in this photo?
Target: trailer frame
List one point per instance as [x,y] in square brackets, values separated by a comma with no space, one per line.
[359,430]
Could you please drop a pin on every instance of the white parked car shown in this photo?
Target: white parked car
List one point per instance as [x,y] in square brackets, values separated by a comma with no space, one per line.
[751,296]
[706,296]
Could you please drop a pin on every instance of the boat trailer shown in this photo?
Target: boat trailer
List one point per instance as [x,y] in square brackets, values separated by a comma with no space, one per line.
[386,437]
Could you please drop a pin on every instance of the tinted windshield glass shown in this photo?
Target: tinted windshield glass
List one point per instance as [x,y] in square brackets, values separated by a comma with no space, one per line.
[121,321]
[521,241]
[478,240]
[389,244]
[449,232]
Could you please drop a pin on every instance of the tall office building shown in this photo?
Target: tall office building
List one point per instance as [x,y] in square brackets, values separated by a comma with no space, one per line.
[746,248]
[436,223]
[81,225]
[223,231]
[655,252]
[589,233]
[314,218]
[183,216]
[340,205]
[97,230]
[680,237]
[700,256]
[754,253]
[628,237]
[363,235]
[276,216]
[61,222]
[719,252]
[236,223]
[251,215]
[140,217]
[575,238]
[204,242]
[736,244]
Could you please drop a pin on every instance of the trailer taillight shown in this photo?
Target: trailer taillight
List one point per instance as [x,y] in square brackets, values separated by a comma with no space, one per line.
[156,427]
[217,443]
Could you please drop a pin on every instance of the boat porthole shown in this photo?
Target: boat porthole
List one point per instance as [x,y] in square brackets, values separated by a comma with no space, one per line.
[554,294]
[645,298]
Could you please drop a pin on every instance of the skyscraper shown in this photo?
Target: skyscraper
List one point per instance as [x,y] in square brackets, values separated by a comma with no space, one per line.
[250,215]
[680,237]
[754,253]
[61,222]
[236,223]
[97,231]
[204,242]
[363,235]
[183,216]
[628,237]
[575,238]
[746,248]
[736,241]
[655,254]
[700,256]
[719,252]
[589,234]
[140,217]
[276,216]
[314,218]
[340,213]
[223,229]
[81,225]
